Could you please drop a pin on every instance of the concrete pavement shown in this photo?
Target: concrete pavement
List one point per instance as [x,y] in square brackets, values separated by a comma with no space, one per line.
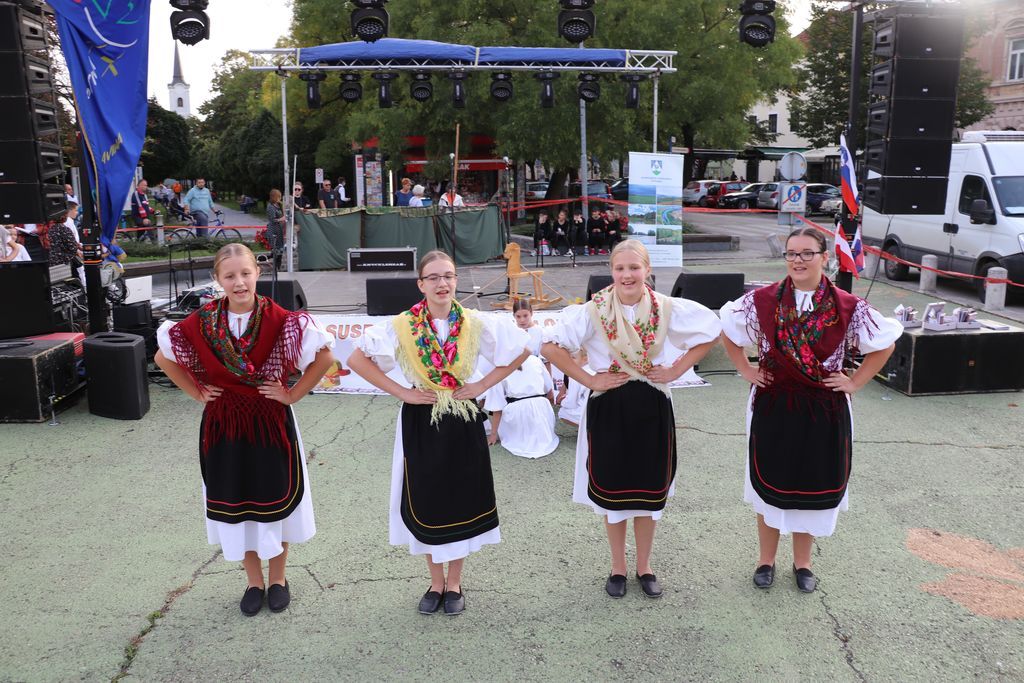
[109,574]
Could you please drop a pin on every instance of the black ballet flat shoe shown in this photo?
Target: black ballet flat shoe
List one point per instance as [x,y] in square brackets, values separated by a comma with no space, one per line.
[649,584]
[252,601]
[278,597]
[454,603]
[764,576]
[806,581]
[430,602]
[615,586]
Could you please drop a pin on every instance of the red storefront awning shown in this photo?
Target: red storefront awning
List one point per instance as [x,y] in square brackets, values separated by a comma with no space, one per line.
[416,165]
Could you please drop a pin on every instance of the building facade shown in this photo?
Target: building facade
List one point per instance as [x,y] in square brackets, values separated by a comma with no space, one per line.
[178,90]
[999,51]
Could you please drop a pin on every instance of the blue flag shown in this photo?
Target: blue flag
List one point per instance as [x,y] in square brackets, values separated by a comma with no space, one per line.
[106,47]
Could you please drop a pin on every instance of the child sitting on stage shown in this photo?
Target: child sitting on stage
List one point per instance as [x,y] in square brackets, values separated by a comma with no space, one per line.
[522,417]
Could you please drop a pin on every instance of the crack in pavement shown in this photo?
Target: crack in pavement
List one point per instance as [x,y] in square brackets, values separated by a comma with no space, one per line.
[841,636]
[131,650]
[314,577]
[11,467]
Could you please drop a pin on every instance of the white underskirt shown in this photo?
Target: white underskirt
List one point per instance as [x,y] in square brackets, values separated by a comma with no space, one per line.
[527,428]
[399,534]
[266,537]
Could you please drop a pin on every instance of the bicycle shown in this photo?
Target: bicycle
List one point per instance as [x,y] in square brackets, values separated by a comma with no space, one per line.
[187,234]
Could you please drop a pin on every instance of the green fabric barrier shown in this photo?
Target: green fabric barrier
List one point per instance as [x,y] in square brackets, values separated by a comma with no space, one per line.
[324,242]
[478,235]
[399,230]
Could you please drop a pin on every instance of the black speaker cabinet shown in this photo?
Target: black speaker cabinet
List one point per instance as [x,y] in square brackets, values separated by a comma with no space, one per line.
[957,362]
[920,36]
[139,314]
[890,195]
[289,294]
[598,282]
[390,296]
[908,157]
[913,119]
[713,290]
[30,372]
[118,381]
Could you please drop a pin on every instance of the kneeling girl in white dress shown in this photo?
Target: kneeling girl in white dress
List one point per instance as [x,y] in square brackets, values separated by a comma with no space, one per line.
[442,491]
[522,417]
[799,422]
[637,341]
[234,356]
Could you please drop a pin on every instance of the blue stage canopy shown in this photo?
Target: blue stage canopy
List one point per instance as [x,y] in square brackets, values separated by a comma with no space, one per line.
[429,52]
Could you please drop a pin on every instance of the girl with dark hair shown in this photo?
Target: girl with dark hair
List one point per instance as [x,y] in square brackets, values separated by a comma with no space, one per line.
[234,356]
[799,424]
[442,492]
[522,311]
[637,341]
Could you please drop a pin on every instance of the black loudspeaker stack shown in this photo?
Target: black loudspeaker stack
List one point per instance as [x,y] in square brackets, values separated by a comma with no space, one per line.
[118,381]
[913,109]
[391,296]
[30,155]
[288,294]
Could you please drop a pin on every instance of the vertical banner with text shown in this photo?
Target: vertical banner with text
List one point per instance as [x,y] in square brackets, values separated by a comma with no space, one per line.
[106,47]
[656,205]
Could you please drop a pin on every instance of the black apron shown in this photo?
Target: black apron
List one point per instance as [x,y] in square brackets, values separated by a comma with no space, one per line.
[631,448]
[447,488]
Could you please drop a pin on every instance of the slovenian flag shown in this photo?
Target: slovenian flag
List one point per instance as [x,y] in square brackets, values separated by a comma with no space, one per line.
[848,177]
[847,261]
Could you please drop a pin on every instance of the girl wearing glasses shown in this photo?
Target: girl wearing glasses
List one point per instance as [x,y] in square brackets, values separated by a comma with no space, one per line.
[442,493]
[799,424]
[637,341]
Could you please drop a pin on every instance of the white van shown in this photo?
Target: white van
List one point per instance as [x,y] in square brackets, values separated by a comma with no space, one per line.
[983,225]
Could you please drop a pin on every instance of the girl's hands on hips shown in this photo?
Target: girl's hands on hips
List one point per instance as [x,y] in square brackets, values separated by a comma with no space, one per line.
[756,376]
[276,391]
[840,381]
[469,391]
[606,381]
[419,397]
[659,374]
[492,438]
[208,393]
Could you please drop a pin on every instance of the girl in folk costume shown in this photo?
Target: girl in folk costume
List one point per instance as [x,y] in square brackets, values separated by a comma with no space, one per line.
[799,424]
[522,416]
[637,341]
[522,311]
[442,492]
[573,396]
[234,356]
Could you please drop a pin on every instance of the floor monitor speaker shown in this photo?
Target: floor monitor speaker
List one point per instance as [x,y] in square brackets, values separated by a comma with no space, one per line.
[390,296]
[31,371]
[288,295]
[709,289]
[115,363]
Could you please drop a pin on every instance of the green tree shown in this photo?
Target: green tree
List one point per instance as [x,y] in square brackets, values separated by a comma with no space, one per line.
[718,80]
[821,108]
[166,149]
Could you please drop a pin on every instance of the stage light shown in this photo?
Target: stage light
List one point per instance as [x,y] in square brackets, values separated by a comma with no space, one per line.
[384,88]
[351,88]
[589,88]
[369,20]
[633,89]
[576,22]
[757,26]
[189,24]
[458,79]
[421,89]
[501,86]
[547,88]
[312,79]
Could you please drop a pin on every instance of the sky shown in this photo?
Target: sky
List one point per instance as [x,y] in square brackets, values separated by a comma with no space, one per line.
[253,24]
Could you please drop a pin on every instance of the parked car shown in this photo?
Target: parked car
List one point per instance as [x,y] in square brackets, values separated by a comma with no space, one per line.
[716,191]
[595,188]
[620,189]
[696,192]
[768,197]
[817,193]
[741,199]
[536,190]
[831,206]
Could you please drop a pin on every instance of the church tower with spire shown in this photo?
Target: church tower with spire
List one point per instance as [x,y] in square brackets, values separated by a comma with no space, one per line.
[179,89]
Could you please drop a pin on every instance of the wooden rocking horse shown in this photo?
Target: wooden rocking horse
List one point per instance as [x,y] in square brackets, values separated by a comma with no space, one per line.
[514,271]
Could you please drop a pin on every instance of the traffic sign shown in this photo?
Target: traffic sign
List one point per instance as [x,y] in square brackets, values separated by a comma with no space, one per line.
[792,197]
[319,176]
[793,166]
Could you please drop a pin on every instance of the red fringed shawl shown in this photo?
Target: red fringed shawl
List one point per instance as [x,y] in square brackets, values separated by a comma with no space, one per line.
[241,412]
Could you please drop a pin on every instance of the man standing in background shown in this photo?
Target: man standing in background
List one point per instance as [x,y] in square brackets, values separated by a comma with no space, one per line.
[199,204]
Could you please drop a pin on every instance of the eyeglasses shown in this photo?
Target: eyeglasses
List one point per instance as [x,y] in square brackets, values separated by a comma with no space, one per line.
[296,189]
[436,279]
[803,255]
